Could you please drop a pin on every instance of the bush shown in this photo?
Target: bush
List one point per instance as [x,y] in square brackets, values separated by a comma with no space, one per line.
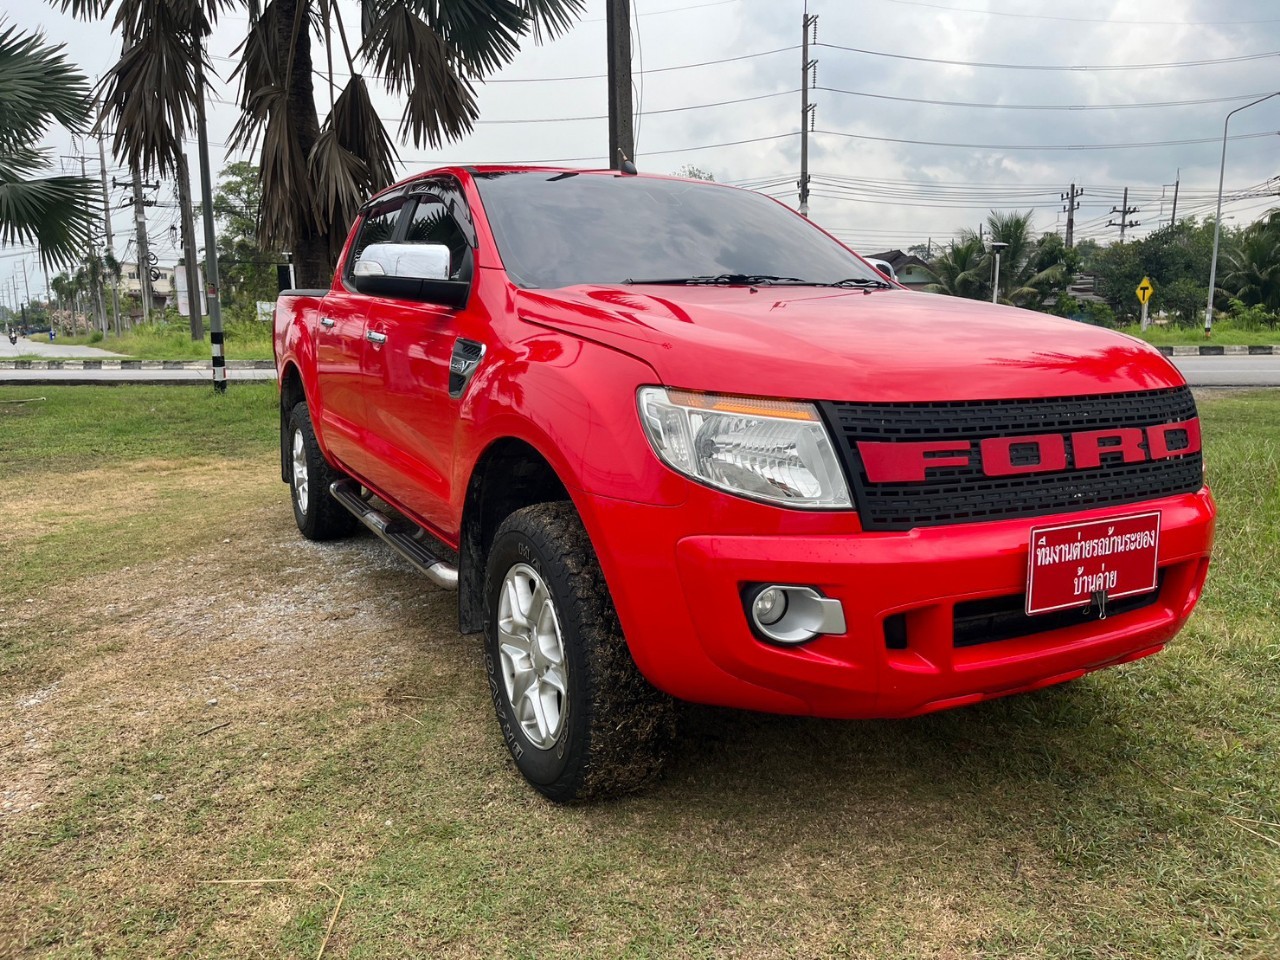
[1251,319]
[1101,315]
[95,337]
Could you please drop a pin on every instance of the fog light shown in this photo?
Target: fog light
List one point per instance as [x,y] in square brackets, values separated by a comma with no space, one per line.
[782,613]
[770,605]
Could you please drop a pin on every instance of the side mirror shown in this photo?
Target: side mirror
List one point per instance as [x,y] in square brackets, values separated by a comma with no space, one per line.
[410,271]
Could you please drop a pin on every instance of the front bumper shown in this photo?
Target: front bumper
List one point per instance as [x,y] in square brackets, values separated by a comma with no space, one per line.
[678,594]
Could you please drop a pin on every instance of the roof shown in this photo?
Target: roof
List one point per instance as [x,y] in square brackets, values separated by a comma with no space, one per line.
[897,259]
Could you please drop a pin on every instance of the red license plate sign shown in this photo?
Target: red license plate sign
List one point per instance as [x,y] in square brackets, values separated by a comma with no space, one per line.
[1070,564]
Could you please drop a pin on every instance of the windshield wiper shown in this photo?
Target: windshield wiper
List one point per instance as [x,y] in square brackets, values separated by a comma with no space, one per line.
[725,279]
[858,283]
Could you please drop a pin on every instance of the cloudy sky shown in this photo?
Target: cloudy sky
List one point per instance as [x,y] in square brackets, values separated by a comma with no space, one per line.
[906,148]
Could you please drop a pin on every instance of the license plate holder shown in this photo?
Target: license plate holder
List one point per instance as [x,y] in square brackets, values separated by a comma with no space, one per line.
[1069,564]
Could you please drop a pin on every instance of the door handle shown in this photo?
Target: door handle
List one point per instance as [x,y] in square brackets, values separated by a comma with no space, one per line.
[373,336]
[327,322]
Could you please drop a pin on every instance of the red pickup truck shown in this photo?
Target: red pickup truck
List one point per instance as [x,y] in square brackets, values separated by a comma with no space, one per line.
[668,439]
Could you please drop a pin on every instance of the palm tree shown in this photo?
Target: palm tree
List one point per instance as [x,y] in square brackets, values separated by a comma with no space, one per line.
[314,172]
[1031,269]
[38,87]
[962,270]
[1252,273]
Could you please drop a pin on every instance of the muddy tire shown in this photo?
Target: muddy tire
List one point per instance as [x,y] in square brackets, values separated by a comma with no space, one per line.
[318,515]
[579,720]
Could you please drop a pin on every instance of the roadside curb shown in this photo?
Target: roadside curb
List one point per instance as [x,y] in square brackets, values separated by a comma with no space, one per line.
[1210,350]
[134,364]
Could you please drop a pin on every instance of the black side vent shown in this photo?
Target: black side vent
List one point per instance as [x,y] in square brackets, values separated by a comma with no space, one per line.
[467,355]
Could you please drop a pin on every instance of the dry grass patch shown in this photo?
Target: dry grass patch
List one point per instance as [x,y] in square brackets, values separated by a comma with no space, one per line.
[177,709]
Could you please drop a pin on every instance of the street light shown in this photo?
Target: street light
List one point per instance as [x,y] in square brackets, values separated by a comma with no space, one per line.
[995,284]
[1217,220]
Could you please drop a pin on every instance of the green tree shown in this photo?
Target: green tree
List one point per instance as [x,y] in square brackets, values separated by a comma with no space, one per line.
[248,271]
[1033,270]
[1250,271]
[428,54]
[961,271]
[691,172]
[38,88]
[1175,258]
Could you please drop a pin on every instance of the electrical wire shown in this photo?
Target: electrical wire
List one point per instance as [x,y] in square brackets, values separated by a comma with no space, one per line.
[599,76]
[1038,66]
[1043,146]
[1037,16]
[593,159]
[1042,106]
[638,82]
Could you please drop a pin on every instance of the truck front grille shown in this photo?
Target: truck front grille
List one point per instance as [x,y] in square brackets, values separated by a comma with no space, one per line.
[964,494]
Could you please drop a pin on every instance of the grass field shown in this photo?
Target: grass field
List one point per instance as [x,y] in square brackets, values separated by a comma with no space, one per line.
[216,738]
[1225,334]
[244,341]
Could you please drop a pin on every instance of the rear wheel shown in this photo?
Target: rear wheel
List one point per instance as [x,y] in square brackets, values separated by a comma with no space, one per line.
[318,515]
[579,720]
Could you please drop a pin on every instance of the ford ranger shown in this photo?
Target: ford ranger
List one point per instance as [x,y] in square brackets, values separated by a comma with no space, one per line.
[667,440]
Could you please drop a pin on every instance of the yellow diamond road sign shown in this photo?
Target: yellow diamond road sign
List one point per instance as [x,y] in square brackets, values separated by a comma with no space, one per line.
[1144,290]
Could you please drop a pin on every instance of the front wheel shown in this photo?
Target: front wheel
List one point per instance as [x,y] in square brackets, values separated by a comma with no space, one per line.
[319,516]
[579,720]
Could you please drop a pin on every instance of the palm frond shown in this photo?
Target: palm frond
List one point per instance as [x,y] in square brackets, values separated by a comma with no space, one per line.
[483,34]
[151,90]
[55,213]
[358,129]
[337,176]
[38,86]
[551,18]
[440,103]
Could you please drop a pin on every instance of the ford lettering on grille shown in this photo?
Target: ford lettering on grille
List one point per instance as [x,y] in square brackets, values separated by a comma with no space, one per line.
[1038,453]
[926,464]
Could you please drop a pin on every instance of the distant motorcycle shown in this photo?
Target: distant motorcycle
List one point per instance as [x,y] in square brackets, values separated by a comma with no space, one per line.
[13,339]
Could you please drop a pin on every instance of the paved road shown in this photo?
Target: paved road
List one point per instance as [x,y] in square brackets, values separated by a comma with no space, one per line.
[41,347]
[204,375]
[1230,371]
[1234,371]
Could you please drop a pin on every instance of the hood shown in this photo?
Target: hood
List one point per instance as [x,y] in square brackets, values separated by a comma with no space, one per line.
[825,344]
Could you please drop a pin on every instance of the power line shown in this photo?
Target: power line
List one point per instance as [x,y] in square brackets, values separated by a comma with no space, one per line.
[1042,106]
[1044,146]
[1037,66]
[696,106]
[1036,16]
[594,76]
[647,153]
[658,13]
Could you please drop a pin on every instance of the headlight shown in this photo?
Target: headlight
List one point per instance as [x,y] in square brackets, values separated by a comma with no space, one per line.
[772,450]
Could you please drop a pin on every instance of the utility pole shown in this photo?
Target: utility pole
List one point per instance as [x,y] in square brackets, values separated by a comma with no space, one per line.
[106,222]
[622,142]
[808,76]
[1176,183]
[212,294]
[189,256]
[144,259]
[1124,210]
[95,273]
[1073,204]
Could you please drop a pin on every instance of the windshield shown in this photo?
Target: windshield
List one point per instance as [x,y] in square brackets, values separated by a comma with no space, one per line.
[561,229]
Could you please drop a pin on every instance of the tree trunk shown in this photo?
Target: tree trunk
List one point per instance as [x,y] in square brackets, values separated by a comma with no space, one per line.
[312,260]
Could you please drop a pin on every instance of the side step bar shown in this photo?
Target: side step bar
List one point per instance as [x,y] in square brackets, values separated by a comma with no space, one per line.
[397,533]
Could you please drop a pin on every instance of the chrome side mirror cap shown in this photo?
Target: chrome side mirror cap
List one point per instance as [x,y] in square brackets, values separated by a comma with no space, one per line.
[406,261]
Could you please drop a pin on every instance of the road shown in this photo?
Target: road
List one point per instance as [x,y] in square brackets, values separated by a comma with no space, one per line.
[1236,371]
[42,347]
[1230,371]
